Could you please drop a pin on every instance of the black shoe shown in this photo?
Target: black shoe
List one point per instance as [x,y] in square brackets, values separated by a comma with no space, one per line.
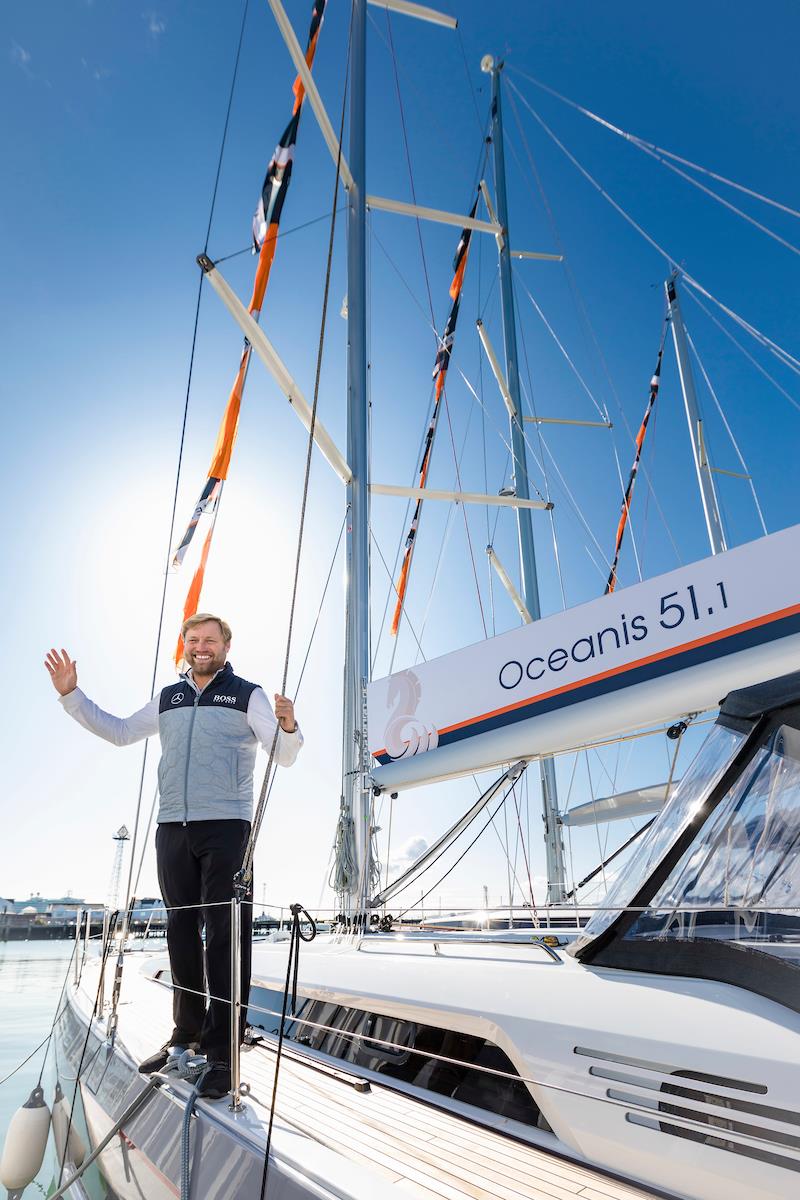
[216,1081]
[157,1061]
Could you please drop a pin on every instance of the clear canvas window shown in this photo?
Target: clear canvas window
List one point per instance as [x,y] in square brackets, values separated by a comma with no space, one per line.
[739,881]
[702,775]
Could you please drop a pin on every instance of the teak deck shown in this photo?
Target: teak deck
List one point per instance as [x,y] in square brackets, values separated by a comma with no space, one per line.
[418,1149]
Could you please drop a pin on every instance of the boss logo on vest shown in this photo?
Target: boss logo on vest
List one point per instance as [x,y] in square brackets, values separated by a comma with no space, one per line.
[176,699]
[224,699]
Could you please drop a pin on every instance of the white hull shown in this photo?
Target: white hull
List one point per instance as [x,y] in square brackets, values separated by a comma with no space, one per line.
[565,1028]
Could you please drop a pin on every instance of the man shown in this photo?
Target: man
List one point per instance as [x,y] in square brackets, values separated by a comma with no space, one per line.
[210,724]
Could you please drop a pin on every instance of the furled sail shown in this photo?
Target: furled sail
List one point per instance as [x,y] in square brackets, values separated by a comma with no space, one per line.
[439,373]
[646,654]
[265,234]
[626,499]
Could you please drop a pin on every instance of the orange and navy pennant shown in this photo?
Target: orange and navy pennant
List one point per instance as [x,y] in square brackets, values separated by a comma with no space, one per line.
[439,373]
[265,234]
[626,499]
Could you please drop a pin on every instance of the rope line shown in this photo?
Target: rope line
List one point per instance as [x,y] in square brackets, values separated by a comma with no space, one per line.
[244,875]
[225,127]
[179,465]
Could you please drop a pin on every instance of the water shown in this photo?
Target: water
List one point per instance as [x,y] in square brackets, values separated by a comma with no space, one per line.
[31,977]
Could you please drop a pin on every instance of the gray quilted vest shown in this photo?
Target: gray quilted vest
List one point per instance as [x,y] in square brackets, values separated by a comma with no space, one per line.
[208,751]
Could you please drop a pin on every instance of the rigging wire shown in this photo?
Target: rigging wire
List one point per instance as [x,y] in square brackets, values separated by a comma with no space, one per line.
[584,315]
[377,546]
[468,73]
[524,847]
[322,601]
[728,430]
[296,694]
[179,464]
[282,233]
[244,875]
[601,411]
[529,395]
[642,144]
[227,123]
[774,348]
[461,856]
[433,325]
[778,387]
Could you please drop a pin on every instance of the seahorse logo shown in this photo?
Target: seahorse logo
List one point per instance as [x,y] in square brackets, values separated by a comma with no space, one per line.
[406,734]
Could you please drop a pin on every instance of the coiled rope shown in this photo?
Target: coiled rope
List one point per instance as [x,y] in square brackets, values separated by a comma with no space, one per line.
[292,965]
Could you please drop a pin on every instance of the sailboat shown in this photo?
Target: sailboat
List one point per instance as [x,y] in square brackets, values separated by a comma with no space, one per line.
[655,1052]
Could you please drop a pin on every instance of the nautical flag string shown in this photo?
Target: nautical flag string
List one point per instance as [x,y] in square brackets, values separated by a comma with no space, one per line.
[626,499]
[265,235]
[439,373]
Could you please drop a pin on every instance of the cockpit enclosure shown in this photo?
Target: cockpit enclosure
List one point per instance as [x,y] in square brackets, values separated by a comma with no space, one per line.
[714,890]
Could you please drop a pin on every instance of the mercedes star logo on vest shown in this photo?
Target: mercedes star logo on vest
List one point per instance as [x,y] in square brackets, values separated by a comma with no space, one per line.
[176,699]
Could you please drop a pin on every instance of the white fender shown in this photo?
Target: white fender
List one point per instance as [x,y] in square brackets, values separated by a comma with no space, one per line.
[61,1122]
[25,1142]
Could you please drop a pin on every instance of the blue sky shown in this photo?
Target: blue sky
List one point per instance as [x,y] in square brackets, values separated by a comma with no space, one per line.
[109,158]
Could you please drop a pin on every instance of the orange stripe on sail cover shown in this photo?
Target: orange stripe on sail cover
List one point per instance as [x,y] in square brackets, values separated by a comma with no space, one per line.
[193,595]
[265,257]
[229,424]
[401,590]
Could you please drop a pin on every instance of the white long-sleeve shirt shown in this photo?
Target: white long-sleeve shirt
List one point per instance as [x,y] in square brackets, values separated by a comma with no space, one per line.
[124,731]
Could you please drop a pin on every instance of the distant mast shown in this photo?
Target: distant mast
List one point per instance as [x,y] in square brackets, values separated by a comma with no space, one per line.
[355,784]
[554,845]
[708,493]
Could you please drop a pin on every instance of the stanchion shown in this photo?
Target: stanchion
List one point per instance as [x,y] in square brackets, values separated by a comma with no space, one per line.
[78,922]
[86,935]
[236,1003]
[101,1001]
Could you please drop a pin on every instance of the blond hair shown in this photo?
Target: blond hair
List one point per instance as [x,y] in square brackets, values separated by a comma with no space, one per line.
[200,619]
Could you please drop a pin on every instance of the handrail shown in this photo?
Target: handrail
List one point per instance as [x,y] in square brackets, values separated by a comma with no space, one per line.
[466,939]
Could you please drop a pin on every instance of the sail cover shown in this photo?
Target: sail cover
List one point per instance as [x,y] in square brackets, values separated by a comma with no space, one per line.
[265,235]
[648,653]
[439,375]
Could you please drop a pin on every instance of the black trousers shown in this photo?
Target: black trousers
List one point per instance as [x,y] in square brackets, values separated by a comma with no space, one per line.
[196,866]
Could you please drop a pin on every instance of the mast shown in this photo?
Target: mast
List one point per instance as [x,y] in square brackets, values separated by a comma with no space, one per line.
[705,480]
[554,846]
[355,789]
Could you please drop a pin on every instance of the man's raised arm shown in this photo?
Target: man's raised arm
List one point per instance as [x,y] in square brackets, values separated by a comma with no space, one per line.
[120,731]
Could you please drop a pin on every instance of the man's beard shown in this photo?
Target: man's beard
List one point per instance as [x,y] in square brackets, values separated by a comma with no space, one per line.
[206,668]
